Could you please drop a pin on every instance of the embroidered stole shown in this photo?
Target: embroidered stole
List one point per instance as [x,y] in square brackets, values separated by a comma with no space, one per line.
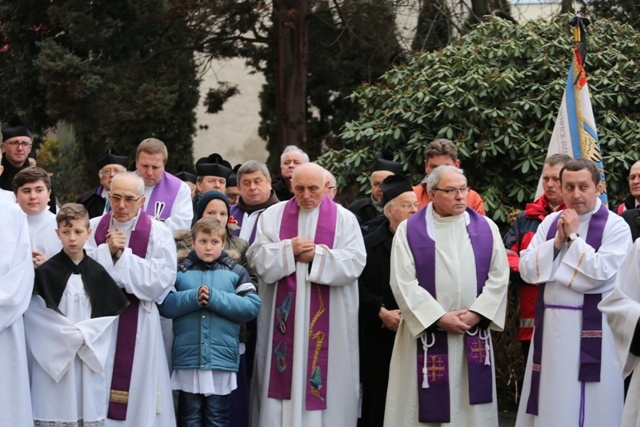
[591,335]
[128,323]
[163,196]
[319,313]
[433,373]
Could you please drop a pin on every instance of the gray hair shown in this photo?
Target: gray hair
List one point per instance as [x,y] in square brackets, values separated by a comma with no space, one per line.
[253,166]
[436,175]
[125,175]
[289,149]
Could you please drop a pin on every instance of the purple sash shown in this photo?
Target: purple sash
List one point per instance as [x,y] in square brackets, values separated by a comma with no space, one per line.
[128,323]
[433,376]
[284,320]
[591,335]
[164,194]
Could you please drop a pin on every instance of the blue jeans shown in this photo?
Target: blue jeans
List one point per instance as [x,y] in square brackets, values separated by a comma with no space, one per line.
[198,410]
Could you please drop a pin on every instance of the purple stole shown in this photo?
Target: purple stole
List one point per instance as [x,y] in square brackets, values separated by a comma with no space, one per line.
[239,216]
[433,376]
[128,324]
[283,331]
[163,196]
[591,335]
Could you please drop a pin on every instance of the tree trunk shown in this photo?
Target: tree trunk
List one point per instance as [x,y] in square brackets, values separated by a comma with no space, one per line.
[290,28]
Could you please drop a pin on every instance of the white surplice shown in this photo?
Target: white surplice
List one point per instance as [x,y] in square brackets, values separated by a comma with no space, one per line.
[150,279]
[455,289]
[622,309]
[577,270]
[181,211]
[69,350]
[16,285]
[340,268]
[42,233]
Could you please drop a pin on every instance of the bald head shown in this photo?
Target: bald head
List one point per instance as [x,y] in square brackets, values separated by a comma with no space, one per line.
[309,185]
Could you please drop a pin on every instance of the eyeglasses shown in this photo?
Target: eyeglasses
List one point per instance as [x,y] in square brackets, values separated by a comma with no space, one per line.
[111,171]
[117,198]
[453,191]
[23,144]
[409,205]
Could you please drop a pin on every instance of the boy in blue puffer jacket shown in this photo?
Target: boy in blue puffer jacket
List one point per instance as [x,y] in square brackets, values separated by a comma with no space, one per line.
[213,296]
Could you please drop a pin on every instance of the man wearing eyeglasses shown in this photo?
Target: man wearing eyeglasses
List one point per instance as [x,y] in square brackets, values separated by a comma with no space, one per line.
[379,315]
[140,255]
[96,201]
[449,275]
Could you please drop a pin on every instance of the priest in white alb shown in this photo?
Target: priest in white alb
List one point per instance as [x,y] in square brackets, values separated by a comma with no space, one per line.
[140,254]
[16,283]
[449,275]
[572,375]
[308,254]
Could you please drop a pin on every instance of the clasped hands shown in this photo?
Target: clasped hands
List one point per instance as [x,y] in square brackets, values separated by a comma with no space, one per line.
[303,249]
[458,321]
[567,223]
[116,240]
[203,295]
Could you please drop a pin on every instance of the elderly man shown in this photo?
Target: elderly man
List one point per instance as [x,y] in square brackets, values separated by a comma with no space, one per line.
[520,235]
[16,277]
[367,208]
[291,158]
[256,195]
[308,255]
[572,375]
[443,152]
[332,188]
[140,255]
[96,201]
[379,313]
[449,275]
[632,201]
[167,198]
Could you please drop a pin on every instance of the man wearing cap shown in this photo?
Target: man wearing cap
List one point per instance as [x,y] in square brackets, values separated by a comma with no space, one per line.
[212,172]
[443,152]
[291,158]
[308,255]
[367,208]
[449,275]
[231,190]
[379,314]
[96,201]
[256,195]
[167,198]
[186,175]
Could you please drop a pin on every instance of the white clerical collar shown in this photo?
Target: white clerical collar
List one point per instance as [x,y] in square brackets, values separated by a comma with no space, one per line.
[127,225]
[429,212]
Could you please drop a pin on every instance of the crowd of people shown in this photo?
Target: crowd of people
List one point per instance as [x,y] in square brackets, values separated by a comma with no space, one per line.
[226,297]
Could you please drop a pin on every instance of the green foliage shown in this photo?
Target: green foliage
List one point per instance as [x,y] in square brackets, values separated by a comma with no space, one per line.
[63,154]
[496,93]
[117,70]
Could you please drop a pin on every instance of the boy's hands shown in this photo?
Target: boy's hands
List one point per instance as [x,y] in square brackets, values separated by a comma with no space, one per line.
[203,296]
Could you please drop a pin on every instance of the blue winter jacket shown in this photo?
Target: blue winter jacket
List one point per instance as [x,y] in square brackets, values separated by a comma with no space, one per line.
[206,338]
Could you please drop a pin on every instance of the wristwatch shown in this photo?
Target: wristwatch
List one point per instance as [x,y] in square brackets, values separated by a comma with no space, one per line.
[572,237]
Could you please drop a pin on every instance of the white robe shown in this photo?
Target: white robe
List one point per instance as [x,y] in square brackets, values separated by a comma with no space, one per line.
[150,279]
[16,285]
[68,382]
[455,289]
[622,309]
[339,267]
[577,270]
[181,211]
[42,233]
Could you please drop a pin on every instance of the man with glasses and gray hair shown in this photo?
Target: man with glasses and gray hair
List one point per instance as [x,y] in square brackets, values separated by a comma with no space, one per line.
[449,275]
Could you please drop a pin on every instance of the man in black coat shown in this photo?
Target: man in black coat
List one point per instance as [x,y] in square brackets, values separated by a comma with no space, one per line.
[379,315]
[109,165]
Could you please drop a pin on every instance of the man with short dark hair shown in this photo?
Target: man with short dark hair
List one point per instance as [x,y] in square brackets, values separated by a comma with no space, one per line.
[96,201]
[443,152]
[521,233]
[572,375]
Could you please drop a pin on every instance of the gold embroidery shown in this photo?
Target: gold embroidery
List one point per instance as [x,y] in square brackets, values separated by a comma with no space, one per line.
[119,396]
[575,271]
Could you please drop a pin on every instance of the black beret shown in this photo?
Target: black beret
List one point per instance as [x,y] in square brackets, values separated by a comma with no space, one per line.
[393,186]
[14,127]
[185,174]
[213,165]
[111,157]
[384,162]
